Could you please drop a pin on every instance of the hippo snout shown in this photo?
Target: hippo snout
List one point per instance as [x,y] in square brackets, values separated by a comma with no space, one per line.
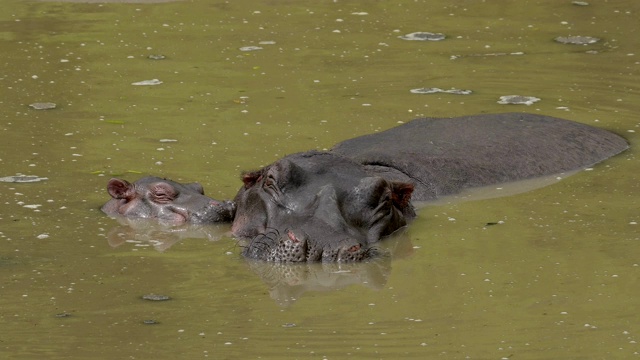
[214,212]
[293,246]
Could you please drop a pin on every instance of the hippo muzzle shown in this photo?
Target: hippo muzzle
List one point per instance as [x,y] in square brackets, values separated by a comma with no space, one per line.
[318,207]
[292,247]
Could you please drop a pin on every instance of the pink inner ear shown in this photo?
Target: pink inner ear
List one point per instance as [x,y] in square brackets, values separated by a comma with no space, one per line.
[251,178]
[120,189]
[401,194]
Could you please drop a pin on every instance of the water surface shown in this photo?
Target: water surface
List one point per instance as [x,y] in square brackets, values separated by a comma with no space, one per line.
[551,273]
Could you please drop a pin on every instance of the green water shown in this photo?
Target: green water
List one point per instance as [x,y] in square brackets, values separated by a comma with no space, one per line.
[558,277]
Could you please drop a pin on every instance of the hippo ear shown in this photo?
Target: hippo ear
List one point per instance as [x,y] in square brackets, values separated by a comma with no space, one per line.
[401,194]
[251,178]
[120,189]
[195,186]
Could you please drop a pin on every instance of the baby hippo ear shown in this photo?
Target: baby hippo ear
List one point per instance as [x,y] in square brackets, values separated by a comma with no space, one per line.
[120,189]
[251,178]
[401,194]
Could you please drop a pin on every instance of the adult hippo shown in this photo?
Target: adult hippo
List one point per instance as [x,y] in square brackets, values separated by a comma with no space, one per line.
[165,200]
[318,206]
[335,206]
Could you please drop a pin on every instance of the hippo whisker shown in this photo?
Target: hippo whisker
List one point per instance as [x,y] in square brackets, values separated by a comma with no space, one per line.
[263,244]
[257,243]
[259,240]
[272,229]
[370,252]
[239,245]
[273,235]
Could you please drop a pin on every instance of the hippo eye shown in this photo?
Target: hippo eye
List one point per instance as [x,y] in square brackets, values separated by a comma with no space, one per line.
[270,183]
[385,196]
[163,193]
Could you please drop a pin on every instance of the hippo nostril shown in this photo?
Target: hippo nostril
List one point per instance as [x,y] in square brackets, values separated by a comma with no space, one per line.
[292,236]
[354,248]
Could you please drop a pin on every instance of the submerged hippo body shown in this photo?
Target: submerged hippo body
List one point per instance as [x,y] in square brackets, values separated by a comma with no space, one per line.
[442,156]
[165,200]
[334,206]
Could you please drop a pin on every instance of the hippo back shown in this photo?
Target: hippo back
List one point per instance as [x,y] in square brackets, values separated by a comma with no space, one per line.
[441,156]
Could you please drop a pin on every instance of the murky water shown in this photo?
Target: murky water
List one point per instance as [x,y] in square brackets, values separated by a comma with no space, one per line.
[552,273]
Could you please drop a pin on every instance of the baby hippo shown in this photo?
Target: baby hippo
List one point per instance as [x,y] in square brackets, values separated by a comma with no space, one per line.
[167,201]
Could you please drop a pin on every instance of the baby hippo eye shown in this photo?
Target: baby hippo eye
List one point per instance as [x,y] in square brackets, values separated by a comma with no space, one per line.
[163,193]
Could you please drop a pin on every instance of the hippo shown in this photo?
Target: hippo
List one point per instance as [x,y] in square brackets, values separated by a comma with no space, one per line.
[334,206]
[318,206]
[165,200]
[442,156]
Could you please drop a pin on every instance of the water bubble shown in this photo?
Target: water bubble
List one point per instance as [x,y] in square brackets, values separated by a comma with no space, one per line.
[517,100]
[147,82]
[577,40]
[423,36]
[43,106]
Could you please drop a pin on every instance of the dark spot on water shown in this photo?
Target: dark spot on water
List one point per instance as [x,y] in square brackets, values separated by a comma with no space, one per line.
[491,223]
[150,322]
[156,297]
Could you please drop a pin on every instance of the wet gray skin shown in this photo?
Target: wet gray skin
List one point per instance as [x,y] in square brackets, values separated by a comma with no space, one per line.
[443,156]
[165,200]
[317,206]
[335,206]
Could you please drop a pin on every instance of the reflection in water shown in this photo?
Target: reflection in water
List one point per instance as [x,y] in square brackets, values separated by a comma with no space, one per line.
[289,281]
[161,236]
[286,281]
[500,190]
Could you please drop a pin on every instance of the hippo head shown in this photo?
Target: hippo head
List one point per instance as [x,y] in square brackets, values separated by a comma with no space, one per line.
[165,200]
[317,206]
